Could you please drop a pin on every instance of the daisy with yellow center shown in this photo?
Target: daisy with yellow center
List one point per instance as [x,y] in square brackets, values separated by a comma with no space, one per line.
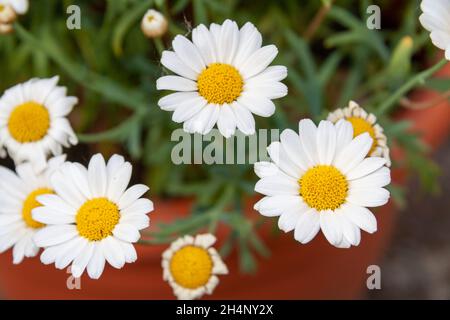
[362,121]
[223,77]
[19,198]
[93,217]
[321,179]
[191,266]
[33,121]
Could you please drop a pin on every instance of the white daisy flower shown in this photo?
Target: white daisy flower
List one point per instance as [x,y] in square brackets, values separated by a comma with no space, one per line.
[19,6]
[92,217]
[222,77]
[191,266]
[362,121]
[33,121]
[154,24]
[19,192]
[436,19]
[321,179]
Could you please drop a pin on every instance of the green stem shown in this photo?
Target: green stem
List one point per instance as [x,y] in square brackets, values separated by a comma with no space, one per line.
[420,78]
[159,45]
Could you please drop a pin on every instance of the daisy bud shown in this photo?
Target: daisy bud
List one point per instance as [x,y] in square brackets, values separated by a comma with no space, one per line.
[7,14]
[154,24]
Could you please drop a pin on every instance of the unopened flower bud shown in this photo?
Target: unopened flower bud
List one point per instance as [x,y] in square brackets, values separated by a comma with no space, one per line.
[154,24]
[7,14]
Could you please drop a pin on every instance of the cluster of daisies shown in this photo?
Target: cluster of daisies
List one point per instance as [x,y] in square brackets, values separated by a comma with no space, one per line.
[322,177]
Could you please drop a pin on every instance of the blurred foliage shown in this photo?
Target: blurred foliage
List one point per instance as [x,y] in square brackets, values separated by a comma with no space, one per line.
[112,68]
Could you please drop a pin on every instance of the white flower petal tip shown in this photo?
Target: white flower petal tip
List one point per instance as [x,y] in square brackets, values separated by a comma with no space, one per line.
[34,121]
[322,179]
[191,266]
[92,218]
[222,77]
[435,19]
[21,191]
[361,122]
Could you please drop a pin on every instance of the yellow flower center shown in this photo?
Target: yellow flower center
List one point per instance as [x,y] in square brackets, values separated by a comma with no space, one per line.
[29,204]
[191,267]
[323,187]
[360,126]
[2,7]
[29,122]
[97,218]
[220,83]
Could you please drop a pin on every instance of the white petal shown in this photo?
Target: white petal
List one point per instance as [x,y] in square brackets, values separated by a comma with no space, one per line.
[53,235]
[244,119]
[226,122]
[175,83]
[140,206]
[344,134]
[377,179]
[276,205]
[96,263]
[112,250]
[188,109]
[293,147]
[308,139]
[360,216]
[265,169]
[367,166]
[257,104]
[118,182]
[131,195]
[368,197]
[250,40]
[50,216]
[188,53]
[307,226]
[202,39]
[174,100]
[126,232]
[97,176]
[279,184]
[331,227]
[258,61]
[326,142]
[170,60]
[353,153]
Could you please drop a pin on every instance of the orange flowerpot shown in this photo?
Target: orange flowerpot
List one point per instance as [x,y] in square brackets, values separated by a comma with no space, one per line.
[294,271]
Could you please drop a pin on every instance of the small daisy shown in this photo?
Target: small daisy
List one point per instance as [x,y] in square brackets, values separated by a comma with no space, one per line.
[33,121]
[321,179]
[92,217]
[191,266]
[154,24]
[436,19]
[18,6]
[223,76]
[19,192]
[364,122]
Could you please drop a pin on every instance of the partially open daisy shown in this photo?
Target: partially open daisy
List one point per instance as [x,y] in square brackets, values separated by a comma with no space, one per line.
[33,121]
[19,192]
[222,77]
[92,217]
[322,179]
[362,121]
[436,19]
[191,266]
